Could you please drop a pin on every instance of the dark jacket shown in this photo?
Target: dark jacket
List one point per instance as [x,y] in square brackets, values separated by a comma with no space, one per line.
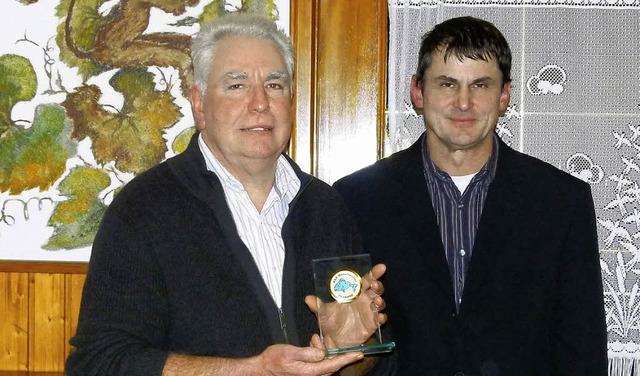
[533,301]
[169,273]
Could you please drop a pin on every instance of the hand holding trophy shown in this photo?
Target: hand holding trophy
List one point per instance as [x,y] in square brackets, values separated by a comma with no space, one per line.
[348,304]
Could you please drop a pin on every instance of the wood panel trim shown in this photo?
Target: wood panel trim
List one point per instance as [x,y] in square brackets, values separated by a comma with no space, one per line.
[29,373]
[14,321]
[383,57]
[46,349]
[304,30]
[44,267]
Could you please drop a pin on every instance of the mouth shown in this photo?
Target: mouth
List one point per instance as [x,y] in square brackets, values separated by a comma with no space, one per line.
[462,120]
[257,129]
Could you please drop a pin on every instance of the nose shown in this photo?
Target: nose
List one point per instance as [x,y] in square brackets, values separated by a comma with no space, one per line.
[259,100]
[463,99]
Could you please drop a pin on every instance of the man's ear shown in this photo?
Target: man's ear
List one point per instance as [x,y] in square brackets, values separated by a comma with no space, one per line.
[416,94]
[196,98]
[505,96]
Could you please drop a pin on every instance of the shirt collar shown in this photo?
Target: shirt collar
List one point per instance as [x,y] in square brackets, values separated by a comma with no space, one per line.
[286,184]
[486,173]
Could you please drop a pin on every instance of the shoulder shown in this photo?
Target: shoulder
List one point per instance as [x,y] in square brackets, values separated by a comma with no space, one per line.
[315,193]
[146,183]
[400,168]
[174,184]
[534,178]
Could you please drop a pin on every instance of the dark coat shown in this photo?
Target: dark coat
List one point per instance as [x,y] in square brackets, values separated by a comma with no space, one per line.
[533,301]
[169,273]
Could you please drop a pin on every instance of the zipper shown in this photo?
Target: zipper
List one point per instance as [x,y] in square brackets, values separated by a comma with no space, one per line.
[305,181]
[283,325]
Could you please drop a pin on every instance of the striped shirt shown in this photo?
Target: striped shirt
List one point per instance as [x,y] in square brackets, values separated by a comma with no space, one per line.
[458,214]
[261,231]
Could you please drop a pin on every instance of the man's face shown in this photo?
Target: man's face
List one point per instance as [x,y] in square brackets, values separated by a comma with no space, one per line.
[461,102]
[245,116]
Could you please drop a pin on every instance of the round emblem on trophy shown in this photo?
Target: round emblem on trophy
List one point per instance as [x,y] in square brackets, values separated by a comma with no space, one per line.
[345,285]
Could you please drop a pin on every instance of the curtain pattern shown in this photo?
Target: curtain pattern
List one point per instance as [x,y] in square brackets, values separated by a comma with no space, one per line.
[575,103]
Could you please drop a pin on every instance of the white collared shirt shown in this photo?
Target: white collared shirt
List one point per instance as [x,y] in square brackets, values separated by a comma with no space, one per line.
[261,232]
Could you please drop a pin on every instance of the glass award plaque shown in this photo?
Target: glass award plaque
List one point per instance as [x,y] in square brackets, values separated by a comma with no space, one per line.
[345,314]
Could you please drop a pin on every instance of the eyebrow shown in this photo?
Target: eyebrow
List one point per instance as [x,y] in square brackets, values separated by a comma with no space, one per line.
[486,79]
[235,75]
[475,81]
[243,75]
[277,76]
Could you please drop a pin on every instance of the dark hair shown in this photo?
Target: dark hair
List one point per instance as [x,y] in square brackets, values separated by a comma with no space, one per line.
[465,37]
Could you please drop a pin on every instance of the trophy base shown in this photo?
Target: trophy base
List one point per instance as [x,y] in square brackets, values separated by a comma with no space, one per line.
[365,349]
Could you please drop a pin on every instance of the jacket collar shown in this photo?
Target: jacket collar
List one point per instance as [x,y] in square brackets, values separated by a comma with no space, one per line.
[191,170]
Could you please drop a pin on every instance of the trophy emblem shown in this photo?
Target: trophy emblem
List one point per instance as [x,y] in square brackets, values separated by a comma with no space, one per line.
[344,297]
[345,286]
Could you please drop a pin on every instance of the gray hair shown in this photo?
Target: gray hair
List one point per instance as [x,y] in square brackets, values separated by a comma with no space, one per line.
[248,25]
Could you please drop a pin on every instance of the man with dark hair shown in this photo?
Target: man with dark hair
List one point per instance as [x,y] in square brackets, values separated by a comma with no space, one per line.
[493,253]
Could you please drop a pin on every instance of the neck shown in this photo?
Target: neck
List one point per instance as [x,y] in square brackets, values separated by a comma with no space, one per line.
[257,177]
[462,161]
[257,182]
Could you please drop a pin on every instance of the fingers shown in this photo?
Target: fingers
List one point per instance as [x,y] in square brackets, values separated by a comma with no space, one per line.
[314,361]
[377,287]
[312,302]
[336,363]
[378,304]
[378,270]
[371,280]
[310,354]
[382,318]
[316,342]
[308,361]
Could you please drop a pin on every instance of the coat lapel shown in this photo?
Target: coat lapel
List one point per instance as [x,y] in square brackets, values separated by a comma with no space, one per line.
[500,209]
[418,217]
[205,185]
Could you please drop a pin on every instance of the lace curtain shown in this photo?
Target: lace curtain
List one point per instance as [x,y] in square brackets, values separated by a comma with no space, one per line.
[575,103]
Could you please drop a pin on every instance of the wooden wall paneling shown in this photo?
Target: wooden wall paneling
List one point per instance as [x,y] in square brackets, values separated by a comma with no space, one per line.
[303,32]
[340,84]
[38,314]
[351,52]
[47,322]
[14,322]
[73,295]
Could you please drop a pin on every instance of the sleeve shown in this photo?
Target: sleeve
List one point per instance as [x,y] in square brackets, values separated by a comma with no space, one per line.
[385,364]
[123,313]
[579,324]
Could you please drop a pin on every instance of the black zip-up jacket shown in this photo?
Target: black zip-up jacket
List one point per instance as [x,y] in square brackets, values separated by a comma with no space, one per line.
[169,273]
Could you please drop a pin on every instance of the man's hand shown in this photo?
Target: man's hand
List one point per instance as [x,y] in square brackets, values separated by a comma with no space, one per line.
[275,360]
[352,324]
[284,360]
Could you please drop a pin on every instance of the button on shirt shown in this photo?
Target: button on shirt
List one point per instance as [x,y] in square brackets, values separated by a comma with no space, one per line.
[261,231]
[458,214]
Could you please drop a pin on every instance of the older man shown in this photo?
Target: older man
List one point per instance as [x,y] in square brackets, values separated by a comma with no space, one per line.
[201,265]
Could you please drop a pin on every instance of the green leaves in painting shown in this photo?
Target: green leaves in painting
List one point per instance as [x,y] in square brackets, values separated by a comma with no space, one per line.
[17,83]
[132,136]
[77,35]
[265,7]
[181,141]
[212,10]
[96,36]
[217,8]
[36,157]
[76,220]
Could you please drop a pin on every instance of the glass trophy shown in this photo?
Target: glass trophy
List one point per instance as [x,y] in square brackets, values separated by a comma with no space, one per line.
[342,290]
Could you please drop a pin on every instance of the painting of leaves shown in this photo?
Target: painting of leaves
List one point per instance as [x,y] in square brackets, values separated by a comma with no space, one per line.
[98,98]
